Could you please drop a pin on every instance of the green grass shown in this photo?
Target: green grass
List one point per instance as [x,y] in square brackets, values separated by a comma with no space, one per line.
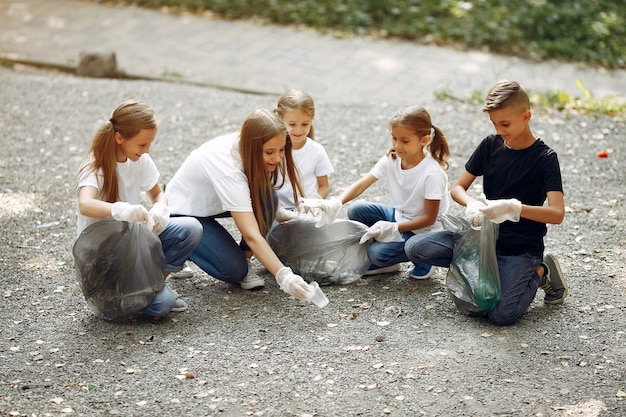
[586,31]
[611,106]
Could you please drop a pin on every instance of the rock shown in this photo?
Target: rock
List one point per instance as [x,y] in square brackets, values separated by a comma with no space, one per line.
[97,65]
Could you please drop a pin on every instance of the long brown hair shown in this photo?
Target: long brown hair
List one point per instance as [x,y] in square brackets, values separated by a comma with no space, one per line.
[127,119]
[418,119]
[259,127]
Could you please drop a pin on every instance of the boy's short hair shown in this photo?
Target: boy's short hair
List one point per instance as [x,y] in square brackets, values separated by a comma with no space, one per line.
[506,94]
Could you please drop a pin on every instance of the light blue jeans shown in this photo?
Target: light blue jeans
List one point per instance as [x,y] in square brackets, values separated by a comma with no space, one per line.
[519,280]
[179,239]
[379,253]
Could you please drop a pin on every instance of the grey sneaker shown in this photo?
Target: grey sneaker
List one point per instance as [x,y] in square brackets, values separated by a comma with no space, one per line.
[554,283]
[383,270]
[251,280]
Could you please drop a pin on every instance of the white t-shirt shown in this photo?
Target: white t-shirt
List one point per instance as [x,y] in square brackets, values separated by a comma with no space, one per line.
[132,177]
[312,162]
[210,181]
[409,188]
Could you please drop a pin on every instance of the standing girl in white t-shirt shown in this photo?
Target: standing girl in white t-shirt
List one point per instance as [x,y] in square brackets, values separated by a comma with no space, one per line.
[296,109]
[418,186]
[110,182]
[234,176]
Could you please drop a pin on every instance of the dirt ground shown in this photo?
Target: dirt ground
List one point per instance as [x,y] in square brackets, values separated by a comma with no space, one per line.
[386,345]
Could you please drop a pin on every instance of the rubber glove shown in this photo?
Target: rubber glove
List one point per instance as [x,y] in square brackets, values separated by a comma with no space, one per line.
[327,210]
[382,231]
[292,284]
[473,214]
[159,216]
[283,215]
[499,211]
[123,211]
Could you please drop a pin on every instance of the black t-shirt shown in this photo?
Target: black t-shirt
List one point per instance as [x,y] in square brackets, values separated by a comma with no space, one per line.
[526,174]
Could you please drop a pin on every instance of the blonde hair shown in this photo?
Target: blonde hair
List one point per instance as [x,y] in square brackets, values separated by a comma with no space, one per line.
[127,119]
[418,119]
[506,94]
[297,100]
[259,127]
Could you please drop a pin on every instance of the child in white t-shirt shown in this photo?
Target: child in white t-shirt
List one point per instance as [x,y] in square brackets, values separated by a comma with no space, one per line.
[414,169]
[297,111]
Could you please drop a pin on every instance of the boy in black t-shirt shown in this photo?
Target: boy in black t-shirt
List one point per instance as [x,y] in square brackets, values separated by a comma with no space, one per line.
[519,172]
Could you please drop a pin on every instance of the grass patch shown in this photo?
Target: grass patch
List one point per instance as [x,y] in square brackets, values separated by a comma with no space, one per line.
[611,106]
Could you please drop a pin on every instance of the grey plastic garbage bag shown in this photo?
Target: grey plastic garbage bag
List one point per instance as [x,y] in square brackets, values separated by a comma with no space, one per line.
[119,266]
[330,254]
[473,279]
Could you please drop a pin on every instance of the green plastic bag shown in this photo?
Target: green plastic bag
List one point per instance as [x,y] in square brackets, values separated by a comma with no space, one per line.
[473,279]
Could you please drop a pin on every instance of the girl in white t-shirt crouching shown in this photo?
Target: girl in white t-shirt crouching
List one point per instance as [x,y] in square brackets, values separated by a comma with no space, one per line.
[234,176]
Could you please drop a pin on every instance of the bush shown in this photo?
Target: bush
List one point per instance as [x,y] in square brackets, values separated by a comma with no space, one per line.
[570,30]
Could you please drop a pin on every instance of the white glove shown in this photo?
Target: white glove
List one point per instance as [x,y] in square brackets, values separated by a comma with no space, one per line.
[327,210]
[473,214]
[499,211]
[292,284]
[159,216]
[130,213]
[283,215]
[382,231]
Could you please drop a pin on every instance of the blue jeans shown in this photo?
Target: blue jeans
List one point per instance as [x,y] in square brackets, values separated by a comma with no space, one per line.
[179,239]
[218,254]
[162,303]
[379,253]
[519,280]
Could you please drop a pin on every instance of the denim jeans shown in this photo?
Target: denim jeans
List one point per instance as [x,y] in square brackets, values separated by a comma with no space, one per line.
[161,304]
[519,280]
[218,254]
[179,239]
[379,253]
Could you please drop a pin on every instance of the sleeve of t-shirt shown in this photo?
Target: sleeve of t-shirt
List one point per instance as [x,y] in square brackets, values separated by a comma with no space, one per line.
[149,173]
[475,164]
[552,172]
[233,192]
[324,166]
[435,185]
[379,171]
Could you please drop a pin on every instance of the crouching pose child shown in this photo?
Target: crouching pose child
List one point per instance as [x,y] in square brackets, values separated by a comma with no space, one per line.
[519,172]
[110,181]
[414,171]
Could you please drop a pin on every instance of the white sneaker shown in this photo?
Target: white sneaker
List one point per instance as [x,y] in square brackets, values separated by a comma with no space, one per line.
[384,270]
[186,272]
[251,280]
[179,306]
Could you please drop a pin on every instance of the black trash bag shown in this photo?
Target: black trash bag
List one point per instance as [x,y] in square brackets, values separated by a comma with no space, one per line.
[119,266]
[330,254]
[473,279]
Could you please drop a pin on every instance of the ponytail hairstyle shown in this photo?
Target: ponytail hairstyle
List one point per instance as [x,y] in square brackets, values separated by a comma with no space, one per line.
[127,119]
[418,119]
[297,100]
[259,127]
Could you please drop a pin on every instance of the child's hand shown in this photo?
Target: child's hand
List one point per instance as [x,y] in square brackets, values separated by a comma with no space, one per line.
[473,214]
[128,212]
[283,215]
[382,231]
[328,209]
[292,284]
[499,211]
[160,216]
